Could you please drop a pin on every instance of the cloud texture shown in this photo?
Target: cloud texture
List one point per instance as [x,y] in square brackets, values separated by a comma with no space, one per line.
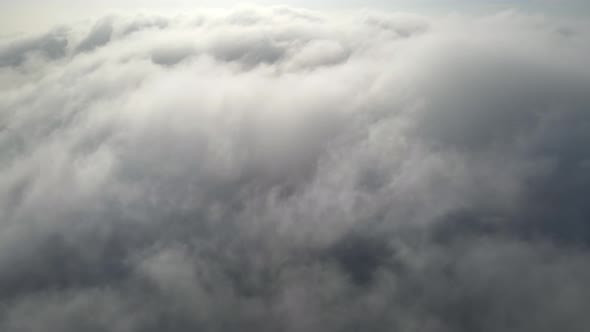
[274,169]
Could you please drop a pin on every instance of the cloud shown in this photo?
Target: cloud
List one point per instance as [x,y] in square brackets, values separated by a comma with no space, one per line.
[98,36]
[278,169]
[51,45]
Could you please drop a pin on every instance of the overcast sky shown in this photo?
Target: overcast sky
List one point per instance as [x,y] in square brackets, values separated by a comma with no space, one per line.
[36,15]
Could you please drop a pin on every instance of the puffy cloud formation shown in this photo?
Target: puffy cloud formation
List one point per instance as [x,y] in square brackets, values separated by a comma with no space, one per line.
[274,169]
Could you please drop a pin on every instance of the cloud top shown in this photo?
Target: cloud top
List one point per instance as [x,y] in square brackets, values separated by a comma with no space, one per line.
[277,169]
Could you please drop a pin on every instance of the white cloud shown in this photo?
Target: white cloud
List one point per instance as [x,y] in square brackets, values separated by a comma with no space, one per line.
[280,169]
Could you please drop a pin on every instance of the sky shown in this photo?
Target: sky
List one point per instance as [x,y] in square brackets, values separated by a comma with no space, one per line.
[297,168]
[27,15]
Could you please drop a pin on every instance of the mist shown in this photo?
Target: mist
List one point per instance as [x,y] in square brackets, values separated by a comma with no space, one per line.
[272,168]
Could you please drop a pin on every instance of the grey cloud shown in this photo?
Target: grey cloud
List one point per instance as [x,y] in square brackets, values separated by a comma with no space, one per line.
[170,56]
[51,45]
[99,36]
[274,169]
[141,23]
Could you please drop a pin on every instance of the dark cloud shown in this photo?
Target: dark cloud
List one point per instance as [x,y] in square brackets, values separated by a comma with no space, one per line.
[274,169]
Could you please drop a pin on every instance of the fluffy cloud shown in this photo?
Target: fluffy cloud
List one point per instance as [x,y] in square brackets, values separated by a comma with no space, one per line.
[275,169]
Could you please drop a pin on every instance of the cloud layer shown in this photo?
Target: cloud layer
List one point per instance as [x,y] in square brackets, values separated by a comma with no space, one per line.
[275,169]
